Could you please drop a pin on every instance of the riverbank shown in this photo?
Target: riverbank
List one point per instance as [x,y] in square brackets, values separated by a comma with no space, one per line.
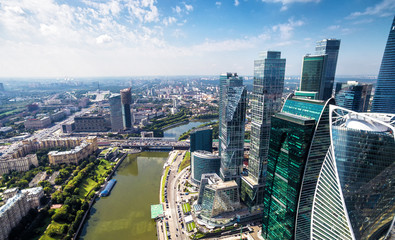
[93,200]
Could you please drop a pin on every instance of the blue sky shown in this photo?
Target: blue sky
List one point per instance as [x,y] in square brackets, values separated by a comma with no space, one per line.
[59,38]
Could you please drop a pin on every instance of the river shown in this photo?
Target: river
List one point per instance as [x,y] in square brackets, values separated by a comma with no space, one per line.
[126,212]
[177,131]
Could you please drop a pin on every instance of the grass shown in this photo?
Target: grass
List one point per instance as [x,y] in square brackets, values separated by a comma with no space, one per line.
[86,186]
[186,207]
[53,225]
[191,226]
[185,162]
[164,183]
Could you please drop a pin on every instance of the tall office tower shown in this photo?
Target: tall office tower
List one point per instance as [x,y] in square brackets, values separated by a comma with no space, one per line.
[318,71]
[384,96]
[232,115]
[329,47]
[1,87]
[313,72]
[269,74]
[201,139]
[354,197]
[299,140]
[126,100]
[116,113]
[353,95]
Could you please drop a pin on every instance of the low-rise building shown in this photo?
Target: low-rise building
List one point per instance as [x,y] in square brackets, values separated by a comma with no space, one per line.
[92,123]
[87,147]
[34,123]
[17,206]
[20,164]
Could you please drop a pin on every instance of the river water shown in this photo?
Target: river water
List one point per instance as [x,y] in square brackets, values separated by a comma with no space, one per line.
[126,212]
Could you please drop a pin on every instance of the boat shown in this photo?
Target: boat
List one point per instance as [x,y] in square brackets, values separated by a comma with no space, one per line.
[107,189]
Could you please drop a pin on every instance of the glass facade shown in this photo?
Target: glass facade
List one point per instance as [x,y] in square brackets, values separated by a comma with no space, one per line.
[384,96]
[201,139]
[116,113]
[353,96]
[232,114]
[329,47]
[268,87]
[313,71]
[296,136]
[204,162]
[126,100]
[363,147]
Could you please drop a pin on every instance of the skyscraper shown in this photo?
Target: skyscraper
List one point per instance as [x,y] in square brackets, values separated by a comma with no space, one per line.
[354,197]
[116,113]
[126,100]
[384,96]
[269,74]
[299,140]
[353,95]
[329,47]
[318,71]
[232,115]
[313,72]
[201,139]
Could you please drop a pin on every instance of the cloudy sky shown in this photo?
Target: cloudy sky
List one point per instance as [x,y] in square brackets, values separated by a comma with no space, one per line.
[56,38]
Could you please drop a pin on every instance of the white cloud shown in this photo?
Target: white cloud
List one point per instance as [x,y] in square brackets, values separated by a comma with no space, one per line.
[333,27]
[189,8]
[103,39]
[383,9]
[177,9]
[218,4]
[236,3]
[286,29]
[286,3]
[169,21]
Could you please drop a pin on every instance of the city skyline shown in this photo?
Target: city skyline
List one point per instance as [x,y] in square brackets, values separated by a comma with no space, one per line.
[129,38]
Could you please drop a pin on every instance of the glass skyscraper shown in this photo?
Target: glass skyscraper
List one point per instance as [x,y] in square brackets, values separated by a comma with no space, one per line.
[116,113]
[318,71]
[269,73]
[232,115]
[201,139]
[203,162]
[126,100]
[353,95]
[384,96]
[299,139]
[354,197]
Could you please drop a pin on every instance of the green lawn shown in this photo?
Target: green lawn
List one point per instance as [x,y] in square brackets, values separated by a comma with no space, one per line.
[164,183]
[185,162]
[46,235]
[186,207]
[191,226]
[86,186]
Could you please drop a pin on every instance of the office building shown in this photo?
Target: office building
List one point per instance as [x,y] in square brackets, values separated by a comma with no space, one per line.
[201,139]
[353,95]
[299,140]
[219,197]
[268,87]
[354,197]
[37,123]
[329,47]
[313,72]
[384,96]
[126,100]
[318,71]
[203,162]
[92,123]
[232,115]
[116,113]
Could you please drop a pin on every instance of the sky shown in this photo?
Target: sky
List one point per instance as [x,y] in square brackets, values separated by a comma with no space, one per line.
[88,38]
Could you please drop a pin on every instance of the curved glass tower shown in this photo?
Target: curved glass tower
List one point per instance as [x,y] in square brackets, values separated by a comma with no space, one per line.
[384,97]
[354,196]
